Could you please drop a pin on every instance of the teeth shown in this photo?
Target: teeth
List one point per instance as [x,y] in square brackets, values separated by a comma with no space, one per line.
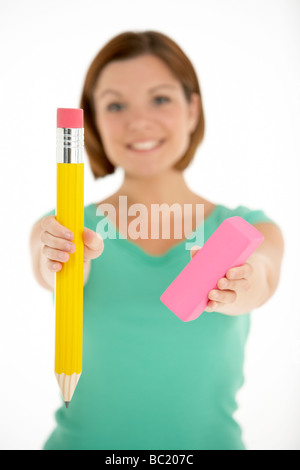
[145,145]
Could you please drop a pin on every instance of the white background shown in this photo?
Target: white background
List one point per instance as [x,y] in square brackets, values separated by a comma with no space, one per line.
[246,54]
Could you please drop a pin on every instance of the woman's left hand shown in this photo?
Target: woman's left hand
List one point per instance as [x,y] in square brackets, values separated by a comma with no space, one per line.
[231,289]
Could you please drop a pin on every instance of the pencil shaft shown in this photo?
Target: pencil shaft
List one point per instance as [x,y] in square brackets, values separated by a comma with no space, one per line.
[69,280]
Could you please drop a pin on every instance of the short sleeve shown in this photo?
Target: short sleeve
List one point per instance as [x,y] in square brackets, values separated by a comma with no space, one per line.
[52,212]
[253,216]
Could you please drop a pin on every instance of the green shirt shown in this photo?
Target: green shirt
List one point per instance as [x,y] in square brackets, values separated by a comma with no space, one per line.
[151,381]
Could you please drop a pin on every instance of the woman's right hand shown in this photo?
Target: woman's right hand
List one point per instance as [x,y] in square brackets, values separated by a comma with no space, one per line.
[57,243]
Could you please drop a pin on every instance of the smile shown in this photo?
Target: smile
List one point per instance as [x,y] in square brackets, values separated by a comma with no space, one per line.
[145,147]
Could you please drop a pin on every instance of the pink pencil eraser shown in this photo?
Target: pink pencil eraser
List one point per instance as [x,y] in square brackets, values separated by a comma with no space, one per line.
[229,246]
[69,118]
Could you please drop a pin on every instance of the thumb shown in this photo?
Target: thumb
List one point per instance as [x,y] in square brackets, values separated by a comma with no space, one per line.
[93,243]
[195,250]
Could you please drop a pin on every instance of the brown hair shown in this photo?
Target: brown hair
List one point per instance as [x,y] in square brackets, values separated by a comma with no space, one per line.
[128,45]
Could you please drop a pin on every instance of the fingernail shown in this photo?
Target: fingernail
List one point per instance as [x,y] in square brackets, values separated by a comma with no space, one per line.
[224,283]
[71,247]
[196,247]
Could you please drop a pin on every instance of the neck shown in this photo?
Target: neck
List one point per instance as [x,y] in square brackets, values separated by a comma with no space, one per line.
[168,187]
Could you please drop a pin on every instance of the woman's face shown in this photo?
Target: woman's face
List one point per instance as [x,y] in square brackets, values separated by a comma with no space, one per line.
[139,101]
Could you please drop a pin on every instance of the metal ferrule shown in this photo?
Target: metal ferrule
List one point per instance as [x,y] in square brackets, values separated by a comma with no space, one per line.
[69,145]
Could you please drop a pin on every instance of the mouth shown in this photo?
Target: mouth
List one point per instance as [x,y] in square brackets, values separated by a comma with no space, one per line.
[146,146]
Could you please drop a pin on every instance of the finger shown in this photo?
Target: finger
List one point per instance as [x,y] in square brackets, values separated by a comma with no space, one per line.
[211,306]
[224,297]
[58,243]
[240,272]
[54,265]
[240,284]
[195,250]
[92,240]
[55,255]
[50,224]
[93,244]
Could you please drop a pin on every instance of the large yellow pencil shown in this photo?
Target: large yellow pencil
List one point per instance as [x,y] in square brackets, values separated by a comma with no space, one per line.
[69,280]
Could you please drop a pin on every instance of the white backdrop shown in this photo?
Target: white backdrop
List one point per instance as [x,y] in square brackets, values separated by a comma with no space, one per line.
[246,54]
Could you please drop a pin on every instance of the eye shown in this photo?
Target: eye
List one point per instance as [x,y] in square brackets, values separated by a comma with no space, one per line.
[161,99]
[114,107]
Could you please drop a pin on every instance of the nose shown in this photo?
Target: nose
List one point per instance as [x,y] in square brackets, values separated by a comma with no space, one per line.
[139,118]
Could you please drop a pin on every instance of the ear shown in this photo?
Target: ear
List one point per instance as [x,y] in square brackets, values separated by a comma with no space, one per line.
[194,111]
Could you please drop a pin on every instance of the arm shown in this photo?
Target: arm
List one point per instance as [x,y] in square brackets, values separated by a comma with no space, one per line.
[271,251]
[256,280]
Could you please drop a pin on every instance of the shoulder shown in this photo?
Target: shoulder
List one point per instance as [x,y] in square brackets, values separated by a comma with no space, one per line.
[251,215]
[272,248]
[259,219]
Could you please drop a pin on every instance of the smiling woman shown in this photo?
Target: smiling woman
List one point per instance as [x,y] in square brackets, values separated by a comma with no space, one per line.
[151,381]
[178,81]
[143,122]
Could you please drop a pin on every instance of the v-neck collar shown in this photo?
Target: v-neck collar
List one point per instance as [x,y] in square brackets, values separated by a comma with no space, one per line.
[137,250]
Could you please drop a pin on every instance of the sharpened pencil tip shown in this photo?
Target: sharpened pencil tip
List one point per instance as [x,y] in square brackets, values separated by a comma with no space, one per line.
[67,404]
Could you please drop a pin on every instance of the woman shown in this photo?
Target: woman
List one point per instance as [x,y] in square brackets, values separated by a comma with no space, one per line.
[151,381]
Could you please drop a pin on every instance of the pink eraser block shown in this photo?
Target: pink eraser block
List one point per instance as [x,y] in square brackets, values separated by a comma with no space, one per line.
[69,118]
[229,246]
